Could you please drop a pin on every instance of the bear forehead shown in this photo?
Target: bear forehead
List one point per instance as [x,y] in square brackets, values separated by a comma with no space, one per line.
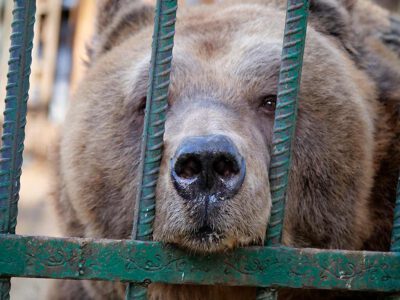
[252,69]
[232,53]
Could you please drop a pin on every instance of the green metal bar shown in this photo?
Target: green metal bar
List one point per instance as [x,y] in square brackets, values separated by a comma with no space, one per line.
[15,119]
[286,113]
[136,261]
[285,120]
[395,247]
[153,131]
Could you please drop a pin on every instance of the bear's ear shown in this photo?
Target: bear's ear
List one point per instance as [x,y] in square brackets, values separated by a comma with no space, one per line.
[355,23]
[391,37]
[106,11]
[334,18]
[116,20]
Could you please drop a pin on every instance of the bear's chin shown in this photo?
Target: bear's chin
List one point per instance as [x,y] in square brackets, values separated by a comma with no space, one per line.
[212,242]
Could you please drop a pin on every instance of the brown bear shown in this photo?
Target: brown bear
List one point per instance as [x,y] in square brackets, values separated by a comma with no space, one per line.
[213,192]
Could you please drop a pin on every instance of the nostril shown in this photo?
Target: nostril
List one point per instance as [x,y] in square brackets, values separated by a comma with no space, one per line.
[225,166]
[188,167]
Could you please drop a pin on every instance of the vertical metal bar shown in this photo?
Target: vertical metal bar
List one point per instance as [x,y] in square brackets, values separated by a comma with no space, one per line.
[153,131]
[285,120]
[15,119]
[286,113]
[395,246]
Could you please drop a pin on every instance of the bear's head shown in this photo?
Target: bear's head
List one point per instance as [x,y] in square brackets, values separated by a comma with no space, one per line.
[213,191]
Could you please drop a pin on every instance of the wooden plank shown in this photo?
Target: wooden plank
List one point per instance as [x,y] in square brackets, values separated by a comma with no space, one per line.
[136,261]
[84,17]
[51,31]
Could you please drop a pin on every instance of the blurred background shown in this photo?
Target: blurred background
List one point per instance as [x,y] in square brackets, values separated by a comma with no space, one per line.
[62,31]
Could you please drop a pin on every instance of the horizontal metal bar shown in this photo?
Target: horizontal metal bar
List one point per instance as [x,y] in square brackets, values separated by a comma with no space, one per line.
[136,261]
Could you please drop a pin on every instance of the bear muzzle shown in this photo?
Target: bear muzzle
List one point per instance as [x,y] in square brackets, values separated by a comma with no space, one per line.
[207,168]
[207,171]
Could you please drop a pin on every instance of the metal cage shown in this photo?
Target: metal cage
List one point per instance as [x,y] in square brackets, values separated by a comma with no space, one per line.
[140,261]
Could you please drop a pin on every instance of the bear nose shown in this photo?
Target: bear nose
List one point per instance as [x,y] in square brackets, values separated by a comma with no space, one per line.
[207,167]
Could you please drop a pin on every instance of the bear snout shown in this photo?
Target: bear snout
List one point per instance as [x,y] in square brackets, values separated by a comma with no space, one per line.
[208,169]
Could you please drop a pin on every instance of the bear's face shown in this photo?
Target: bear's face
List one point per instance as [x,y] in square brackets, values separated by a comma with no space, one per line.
[222,95]
[213,191]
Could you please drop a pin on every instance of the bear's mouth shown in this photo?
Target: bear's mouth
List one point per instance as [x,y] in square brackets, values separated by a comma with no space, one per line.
[206,234]
[204,239]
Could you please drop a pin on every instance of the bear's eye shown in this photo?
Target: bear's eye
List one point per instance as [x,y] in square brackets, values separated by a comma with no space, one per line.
[142,106]
[268,103]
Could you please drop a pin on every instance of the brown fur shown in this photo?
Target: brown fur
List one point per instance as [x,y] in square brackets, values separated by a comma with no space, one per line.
[226,61]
